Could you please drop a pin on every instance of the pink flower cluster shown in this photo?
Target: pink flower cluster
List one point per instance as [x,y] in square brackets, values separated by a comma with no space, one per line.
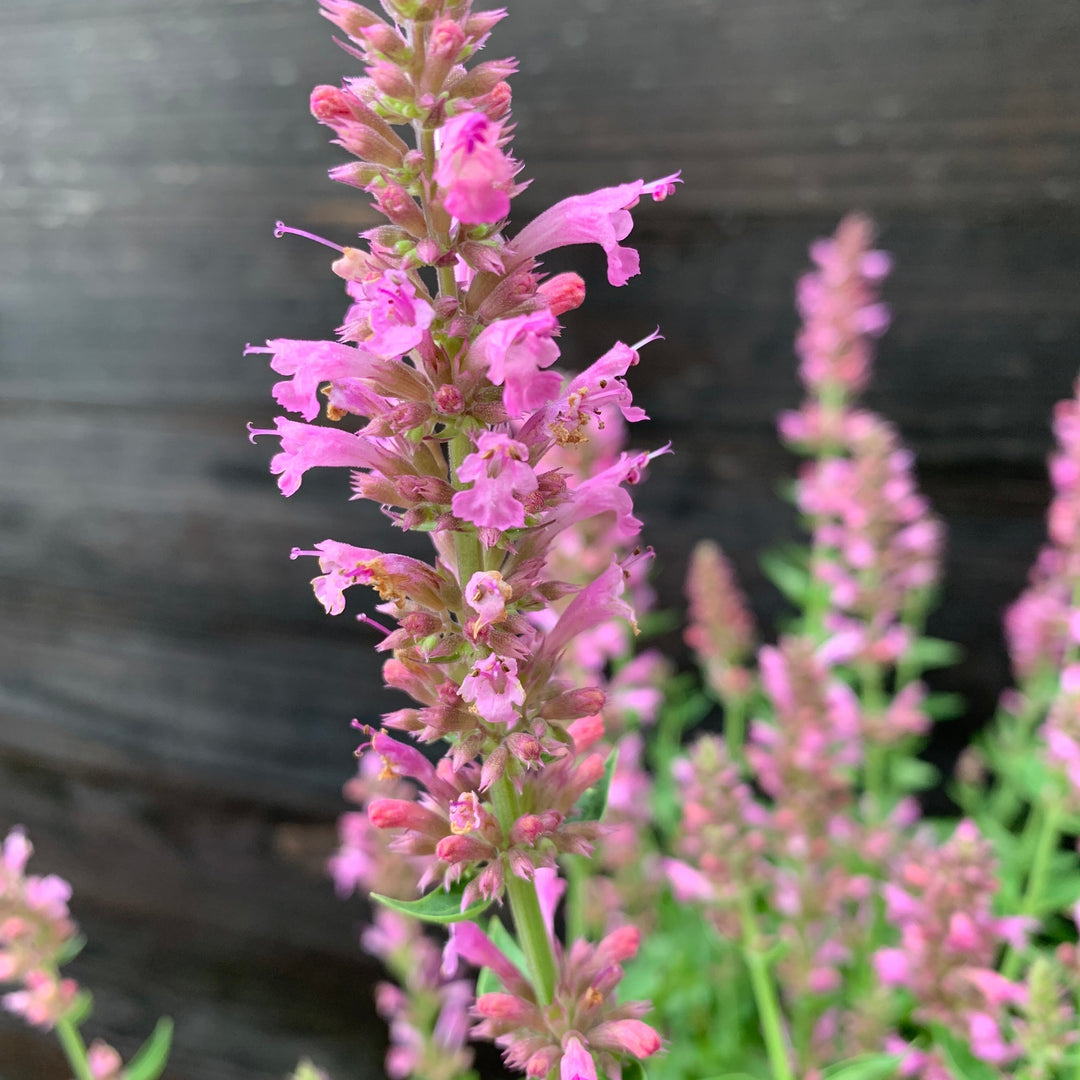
[720,627]
[941,899]
[840,311]
[723,836]
[883,544]
[1043,625]
[876,546]
[443,400]
[583,1026]
[35,930]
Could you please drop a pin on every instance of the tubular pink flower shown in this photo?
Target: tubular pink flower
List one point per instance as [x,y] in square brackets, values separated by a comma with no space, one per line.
[474,174]
[500,474]
[396,577]
[310,363]
[305,446]
[577,1062]
[514,350]
[487,594]
[602,217]
[625,1037]
[388,319]
[494,688]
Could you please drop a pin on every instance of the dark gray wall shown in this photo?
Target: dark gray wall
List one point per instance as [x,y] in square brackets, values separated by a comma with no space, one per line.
[174,706]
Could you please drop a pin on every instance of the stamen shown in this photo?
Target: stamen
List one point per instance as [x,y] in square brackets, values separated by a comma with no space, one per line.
[654,336]
[254,432]
[369,621]
[249,349]
[280,229]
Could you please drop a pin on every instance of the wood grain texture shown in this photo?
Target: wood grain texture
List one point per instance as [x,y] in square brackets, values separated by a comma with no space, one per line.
[174,706]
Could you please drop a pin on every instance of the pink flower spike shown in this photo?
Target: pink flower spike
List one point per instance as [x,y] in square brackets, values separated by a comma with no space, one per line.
[688,885]
[601,217]
[577,1062]
[891,966]
[472,171]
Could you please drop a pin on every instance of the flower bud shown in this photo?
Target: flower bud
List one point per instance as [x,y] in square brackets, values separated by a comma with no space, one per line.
[563,292]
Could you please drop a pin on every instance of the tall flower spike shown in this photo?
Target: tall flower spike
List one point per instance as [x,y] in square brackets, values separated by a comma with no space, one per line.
[447,357]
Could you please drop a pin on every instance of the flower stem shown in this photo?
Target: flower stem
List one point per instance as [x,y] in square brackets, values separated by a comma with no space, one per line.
[768,1005]
[74,1048]
[735,725]
[525,905]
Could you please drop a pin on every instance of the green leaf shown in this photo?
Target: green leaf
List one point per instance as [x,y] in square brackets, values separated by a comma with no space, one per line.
[438,906]
[931,652]
[487,982]
[863,1067]
[149,1063]
[791,579]
[1058,895]
[734,1076]
[944,706]
[70,950]
[634,1070]
[963,1064]
[593,803]
[912,774]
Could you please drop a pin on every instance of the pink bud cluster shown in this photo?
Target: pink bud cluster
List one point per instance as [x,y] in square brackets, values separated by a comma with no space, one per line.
[427,1012]
[884,545]
[584,1026]
[721,629]
[805,760]
[35,931]
[723,836]
[443,400]
[1043,625]
[941,899]
[840,310]
[876,548]
[1061,733]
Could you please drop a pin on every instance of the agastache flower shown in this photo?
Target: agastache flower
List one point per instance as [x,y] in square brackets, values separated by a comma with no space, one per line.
[501,479]
[514,350]
[603,218]
[463,407]
[472,171]
[388,318]
[35,929]
[494,689]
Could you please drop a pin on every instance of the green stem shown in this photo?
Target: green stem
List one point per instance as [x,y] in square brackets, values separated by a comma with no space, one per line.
[735,725]
[74,1048]
[768,1005]
[873,701]
[577,881]
[532,934]
[1040,869]
[470,554]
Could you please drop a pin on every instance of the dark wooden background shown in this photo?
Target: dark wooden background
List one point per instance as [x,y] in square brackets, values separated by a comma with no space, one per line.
[174,706]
